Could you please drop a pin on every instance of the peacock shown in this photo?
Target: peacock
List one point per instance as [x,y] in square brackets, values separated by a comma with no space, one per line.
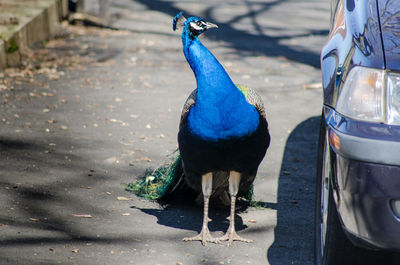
[223,132]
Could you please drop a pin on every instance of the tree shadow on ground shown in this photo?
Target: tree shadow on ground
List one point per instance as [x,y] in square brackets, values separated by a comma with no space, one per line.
[296,190]
[43,201]
[244,42]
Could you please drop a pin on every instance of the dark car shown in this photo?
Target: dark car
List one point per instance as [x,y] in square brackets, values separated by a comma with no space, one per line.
[358,180]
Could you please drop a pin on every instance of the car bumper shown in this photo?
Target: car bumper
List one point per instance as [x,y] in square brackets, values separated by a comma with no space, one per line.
[365,191]
[366,166]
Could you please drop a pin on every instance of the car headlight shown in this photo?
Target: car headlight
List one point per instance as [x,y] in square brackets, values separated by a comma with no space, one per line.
[371,95]
[393,98]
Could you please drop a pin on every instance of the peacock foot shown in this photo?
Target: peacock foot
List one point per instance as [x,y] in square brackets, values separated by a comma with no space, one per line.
[204,237]
[231,236]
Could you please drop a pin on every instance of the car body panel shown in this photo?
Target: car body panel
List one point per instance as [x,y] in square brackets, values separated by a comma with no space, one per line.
[365,141]
[363,181]
[354,40]
[389,16]
[363,202]
[365,156]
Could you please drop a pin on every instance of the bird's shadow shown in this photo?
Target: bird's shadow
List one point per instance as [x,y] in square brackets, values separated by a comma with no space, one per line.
[183,213]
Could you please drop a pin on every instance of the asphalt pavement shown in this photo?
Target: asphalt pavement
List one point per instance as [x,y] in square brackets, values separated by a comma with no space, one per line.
[95,107]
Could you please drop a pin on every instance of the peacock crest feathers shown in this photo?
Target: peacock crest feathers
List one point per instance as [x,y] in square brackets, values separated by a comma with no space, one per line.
[178,21]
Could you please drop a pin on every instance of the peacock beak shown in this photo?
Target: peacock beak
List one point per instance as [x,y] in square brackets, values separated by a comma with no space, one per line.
[210,25]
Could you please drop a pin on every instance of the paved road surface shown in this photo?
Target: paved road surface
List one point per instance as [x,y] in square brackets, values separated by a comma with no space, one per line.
[96,107]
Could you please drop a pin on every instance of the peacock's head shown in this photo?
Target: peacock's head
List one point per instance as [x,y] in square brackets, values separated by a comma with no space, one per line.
[193,25]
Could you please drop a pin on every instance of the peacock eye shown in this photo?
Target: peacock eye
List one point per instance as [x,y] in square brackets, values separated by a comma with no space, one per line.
[199,23]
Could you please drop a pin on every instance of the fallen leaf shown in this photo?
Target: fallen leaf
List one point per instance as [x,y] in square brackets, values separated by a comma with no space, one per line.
[82,215]
[85,187]
[126,214]
[129,152]
[252,221]
[130,143]
[147,84]
[145,158]
[33,219]
[51,150]
[317,85]
[63,127]
[75,250]
[112,160]
[34,95]
[120,198]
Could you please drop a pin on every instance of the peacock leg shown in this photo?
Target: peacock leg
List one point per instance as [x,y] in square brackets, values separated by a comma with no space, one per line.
[205,236]
[231,235]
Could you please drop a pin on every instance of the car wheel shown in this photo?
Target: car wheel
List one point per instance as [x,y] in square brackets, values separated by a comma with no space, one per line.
[331,244]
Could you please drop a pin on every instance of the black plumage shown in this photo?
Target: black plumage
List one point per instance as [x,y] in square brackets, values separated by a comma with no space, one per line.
[242,154]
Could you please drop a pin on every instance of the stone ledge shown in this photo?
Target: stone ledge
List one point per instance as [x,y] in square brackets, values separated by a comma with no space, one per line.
[30,21]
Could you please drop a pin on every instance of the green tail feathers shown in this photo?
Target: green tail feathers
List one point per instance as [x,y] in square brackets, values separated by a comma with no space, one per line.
[154,185]
[157,184]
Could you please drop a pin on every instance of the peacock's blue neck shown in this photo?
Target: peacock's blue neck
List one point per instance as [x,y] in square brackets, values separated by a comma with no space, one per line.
[221,110]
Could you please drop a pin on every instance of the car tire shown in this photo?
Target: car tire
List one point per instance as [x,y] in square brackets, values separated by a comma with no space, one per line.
[331,244]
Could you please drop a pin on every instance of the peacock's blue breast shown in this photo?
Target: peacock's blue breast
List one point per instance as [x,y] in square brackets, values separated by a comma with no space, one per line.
[223,120]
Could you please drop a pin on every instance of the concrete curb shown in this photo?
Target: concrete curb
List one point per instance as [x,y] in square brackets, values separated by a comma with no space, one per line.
[36,21]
